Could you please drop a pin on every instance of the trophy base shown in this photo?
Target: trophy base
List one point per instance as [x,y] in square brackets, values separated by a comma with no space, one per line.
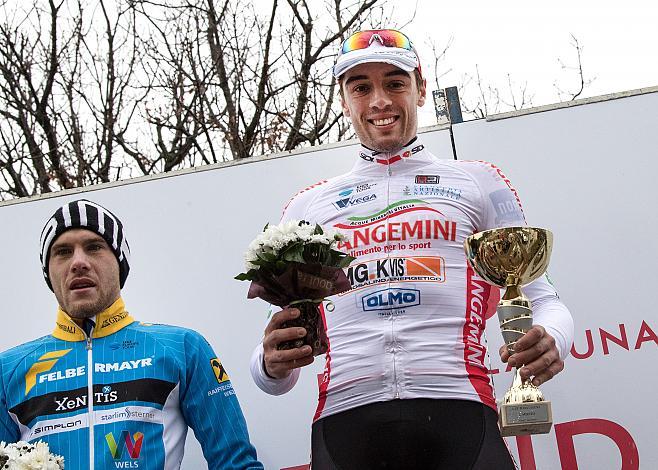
[518,419]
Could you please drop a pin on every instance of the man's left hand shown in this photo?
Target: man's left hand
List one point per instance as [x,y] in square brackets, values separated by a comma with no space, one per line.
[537,353]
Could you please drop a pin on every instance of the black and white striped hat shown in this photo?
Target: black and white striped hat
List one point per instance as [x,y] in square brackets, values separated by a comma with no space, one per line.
[91,216]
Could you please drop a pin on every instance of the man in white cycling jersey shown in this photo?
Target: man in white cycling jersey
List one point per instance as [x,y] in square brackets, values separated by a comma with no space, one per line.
[405,382]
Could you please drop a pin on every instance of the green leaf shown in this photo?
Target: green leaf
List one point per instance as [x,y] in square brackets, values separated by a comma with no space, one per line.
[266,225]
[318,230]
[269,257]
[345,262]
[294,254]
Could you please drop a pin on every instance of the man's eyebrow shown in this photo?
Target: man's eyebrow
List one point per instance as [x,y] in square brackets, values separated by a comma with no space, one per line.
[396,72]
[355,78]
[392,73]
[58,244]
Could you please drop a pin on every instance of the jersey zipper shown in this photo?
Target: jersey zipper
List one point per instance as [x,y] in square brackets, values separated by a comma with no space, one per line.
[90,400]
[396,388]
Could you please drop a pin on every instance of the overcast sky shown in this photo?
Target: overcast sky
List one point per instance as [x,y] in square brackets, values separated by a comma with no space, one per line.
[526,39]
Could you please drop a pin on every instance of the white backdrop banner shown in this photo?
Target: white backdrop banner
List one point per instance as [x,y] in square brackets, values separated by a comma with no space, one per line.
[586,172]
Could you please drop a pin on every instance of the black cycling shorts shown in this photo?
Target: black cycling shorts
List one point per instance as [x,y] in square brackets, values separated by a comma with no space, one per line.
[423,434]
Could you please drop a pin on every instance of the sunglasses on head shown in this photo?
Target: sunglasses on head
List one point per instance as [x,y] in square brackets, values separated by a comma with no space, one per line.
[386,37]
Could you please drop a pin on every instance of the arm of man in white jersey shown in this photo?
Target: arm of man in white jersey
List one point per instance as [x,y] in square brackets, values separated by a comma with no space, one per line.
[542,350]
[276,371]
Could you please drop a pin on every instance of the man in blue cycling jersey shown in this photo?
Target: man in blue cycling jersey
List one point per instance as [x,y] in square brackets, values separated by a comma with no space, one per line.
[106,391]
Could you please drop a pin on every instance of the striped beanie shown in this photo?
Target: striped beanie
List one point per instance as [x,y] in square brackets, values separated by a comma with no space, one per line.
[90,216]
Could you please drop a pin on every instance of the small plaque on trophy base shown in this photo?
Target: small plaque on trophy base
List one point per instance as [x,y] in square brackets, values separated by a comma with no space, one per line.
[525,418]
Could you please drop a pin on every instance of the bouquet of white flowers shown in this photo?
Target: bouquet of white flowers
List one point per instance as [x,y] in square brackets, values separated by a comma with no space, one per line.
[24,456]
[296,264]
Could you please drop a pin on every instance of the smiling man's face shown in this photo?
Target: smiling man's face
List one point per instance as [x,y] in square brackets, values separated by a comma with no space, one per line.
[84,273]
[382,102]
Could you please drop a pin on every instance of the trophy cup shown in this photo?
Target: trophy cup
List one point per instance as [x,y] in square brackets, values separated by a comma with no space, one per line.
[511,257]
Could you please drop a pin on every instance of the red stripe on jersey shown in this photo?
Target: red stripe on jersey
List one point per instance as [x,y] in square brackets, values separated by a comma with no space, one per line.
[477,297]
[303,191]
[323,382]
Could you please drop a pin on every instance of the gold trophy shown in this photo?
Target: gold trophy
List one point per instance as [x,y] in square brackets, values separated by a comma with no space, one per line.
[511,257]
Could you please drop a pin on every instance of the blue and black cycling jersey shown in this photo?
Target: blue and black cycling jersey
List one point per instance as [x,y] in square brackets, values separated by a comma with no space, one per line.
[129,389]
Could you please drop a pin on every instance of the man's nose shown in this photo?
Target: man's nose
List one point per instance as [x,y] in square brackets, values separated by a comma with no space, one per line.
[379,99]
[80,260]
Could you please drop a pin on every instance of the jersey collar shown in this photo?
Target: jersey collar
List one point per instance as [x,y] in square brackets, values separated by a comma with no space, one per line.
[108,321]
[408,159]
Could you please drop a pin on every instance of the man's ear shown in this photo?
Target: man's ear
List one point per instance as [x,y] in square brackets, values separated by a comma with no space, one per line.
[422,91]
[346,109]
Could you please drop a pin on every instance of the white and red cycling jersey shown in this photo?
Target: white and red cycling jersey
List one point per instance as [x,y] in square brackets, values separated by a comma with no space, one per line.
[412,325]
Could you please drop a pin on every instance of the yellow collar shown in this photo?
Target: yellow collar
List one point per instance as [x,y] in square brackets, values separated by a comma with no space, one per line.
[108,321]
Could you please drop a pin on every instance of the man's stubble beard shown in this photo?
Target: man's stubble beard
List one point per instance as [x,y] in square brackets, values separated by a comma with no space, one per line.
[90,309]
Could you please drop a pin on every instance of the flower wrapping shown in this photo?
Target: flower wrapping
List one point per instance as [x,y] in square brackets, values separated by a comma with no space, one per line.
[295,264]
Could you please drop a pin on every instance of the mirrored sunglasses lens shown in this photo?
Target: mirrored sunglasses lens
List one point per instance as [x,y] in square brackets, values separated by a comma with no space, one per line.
[363,39]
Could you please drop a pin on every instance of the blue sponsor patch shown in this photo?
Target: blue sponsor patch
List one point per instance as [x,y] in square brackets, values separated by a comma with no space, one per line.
[387,299]
[347,192]
[353,201]
[506,207]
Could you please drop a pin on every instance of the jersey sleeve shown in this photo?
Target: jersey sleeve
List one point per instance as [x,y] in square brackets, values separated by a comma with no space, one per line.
[549,312]
[9,432]
[501,207]
[211,409]
[268,384]
[298,206]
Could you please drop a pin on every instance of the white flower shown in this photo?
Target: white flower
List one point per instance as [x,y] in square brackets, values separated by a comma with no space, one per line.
[276,238]
[24,456]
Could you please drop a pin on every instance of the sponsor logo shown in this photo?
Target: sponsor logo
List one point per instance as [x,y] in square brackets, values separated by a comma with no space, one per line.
[131,444]
[477,295]
[432,190]
[62,374]
[218,370]
[56,427]
[388,299]
[43,364]
[226,388]
[66,328]
[427,179]
[396,158]
[414,269]
[382,227]
[498,174]
[127,413]
[75,402]
[103,367]
[353,201]
[127,344]
[506,207]
[125,365]
[359,188]
[114,319]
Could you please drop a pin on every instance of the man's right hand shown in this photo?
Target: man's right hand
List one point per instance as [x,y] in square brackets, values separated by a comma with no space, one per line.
[280,363]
